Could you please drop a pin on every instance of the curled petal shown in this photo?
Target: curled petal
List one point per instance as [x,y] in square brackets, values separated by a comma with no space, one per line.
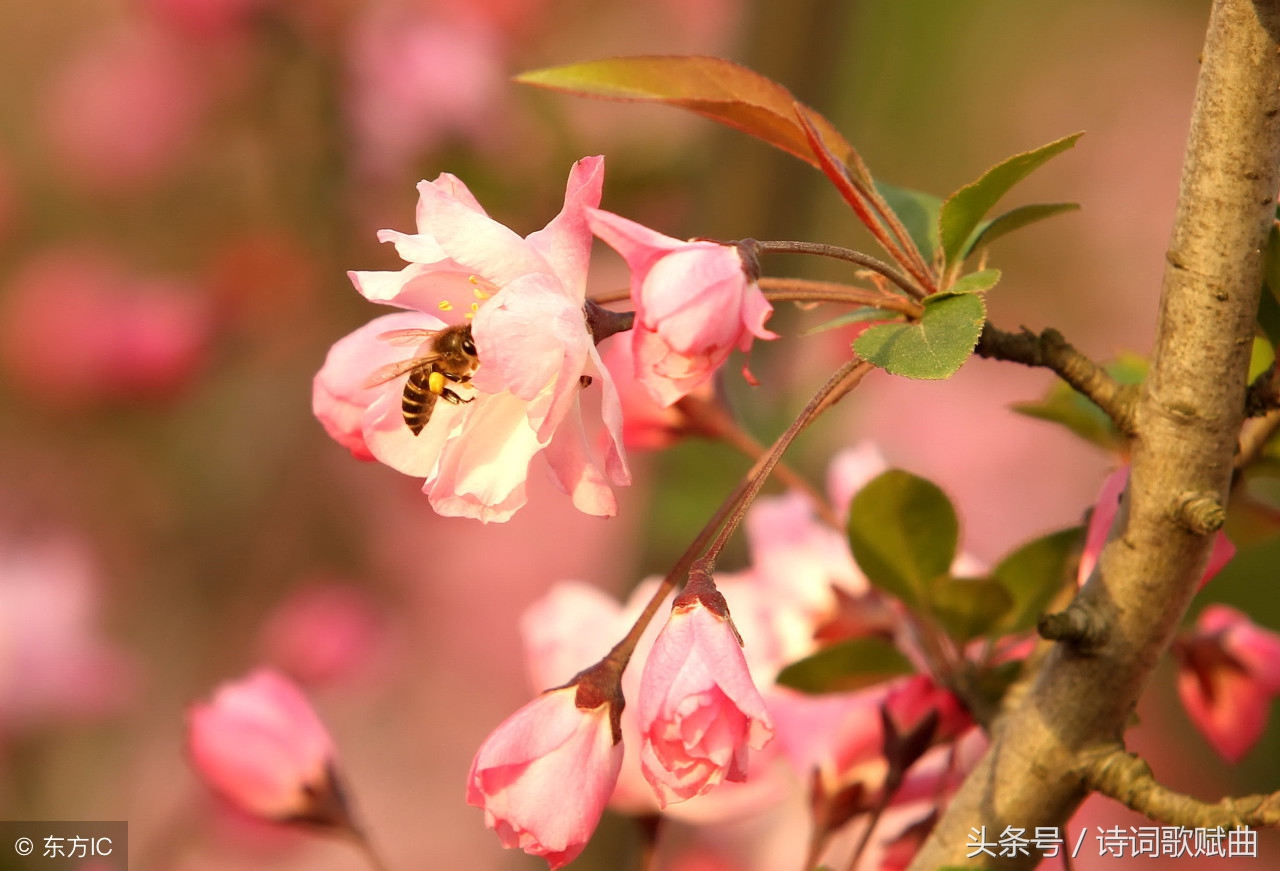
[543,777]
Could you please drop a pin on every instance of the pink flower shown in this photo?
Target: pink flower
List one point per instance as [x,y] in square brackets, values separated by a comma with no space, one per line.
[324,631]
[78,329]
[1228,673]
[54,662]
[535,356]
[695,301]
[260,745]
[1104,512]
[699,709]
[123,112]
[543,777]
[417,78]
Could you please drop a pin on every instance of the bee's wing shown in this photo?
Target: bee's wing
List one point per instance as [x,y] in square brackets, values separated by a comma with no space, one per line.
[410,336]
[383,374]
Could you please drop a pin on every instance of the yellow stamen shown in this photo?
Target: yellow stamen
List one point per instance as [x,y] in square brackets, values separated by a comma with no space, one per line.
[445,305]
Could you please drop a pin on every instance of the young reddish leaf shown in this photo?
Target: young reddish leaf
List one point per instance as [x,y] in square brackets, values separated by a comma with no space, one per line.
[867,203]
[964,209]
[710,86]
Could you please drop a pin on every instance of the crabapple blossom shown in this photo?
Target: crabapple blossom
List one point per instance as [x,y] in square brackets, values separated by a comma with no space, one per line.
[1228,674]
[259,744]
[543,776]
[695,302]
[699,709]
[1104,512]
[533,344]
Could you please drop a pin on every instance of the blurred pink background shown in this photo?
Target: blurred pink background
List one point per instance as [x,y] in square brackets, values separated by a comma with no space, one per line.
[183,185]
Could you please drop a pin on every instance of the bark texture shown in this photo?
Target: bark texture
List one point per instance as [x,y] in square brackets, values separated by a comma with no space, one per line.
[1186,423]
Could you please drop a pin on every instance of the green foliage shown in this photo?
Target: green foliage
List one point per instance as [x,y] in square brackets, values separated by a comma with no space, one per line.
[975,282]
[1063,405]
[859,315]
[1034,573]
[1014,219]
[963,211]
[847,665]
[903,533]
[968,608]
[933,348]
[710,86]
[918,212]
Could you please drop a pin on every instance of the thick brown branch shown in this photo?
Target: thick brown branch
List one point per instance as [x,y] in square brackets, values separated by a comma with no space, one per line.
[1186,423]
[1128,779]
[1050,350]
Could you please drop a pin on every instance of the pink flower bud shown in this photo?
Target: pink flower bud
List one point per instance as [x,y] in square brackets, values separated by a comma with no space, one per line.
[543,777]
[260,745]
[699,709]
[1228,673]
[695,302]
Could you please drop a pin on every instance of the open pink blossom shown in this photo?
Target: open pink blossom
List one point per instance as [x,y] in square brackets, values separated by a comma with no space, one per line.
[699,709]
[1228,674]
[535,351]
[260,745]
[695,302]
[543,777]
[1104,512]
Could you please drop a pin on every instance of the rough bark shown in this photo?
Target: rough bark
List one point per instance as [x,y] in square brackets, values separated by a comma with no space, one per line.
[1186,424]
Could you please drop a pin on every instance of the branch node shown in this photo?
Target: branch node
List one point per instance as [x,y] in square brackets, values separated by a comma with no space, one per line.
[1079,627]
[1201,512]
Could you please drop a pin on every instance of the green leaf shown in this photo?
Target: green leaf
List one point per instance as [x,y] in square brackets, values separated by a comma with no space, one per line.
[1261,358]
[847,665]
[935,347]
[1063,405]
[859,315]
[1271,263]
[1035,573]
[903,533]
[975,282]
[1269,315]
[964,209]
[710,86]
[1014,219]
[968,608]
[918,212]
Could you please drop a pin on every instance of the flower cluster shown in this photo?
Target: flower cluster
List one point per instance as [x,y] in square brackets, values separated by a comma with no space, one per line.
[707,701]
[518,395]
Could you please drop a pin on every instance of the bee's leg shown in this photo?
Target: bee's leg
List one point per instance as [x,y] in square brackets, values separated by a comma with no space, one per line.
[453,398]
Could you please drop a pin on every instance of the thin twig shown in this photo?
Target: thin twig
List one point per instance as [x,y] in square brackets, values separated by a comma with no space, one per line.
[1051,351]
[1126,777]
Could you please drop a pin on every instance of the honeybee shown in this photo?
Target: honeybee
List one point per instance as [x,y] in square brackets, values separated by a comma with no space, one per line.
[451,359]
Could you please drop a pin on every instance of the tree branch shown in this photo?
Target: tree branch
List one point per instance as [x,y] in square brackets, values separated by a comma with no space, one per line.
[1186,423]
[1050,350]
[1128,779]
